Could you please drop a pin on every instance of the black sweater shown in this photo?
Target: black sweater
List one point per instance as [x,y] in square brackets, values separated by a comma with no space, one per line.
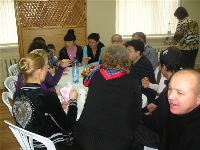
[64,55]
[143,68]
[113,105]
[182,132]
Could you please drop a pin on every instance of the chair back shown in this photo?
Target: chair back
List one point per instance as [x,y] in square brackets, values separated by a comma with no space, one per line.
[13,70]
[5,98]
[10,83]
[25,138]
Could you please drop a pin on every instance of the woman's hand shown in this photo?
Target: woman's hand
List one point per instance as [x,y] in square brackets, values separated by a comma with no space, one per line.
[145,83]
[73,94]
[52,70]
[58,91]
[79,64]
[90,66]
[165,42]
[85,60]
[65,64]
[58,63]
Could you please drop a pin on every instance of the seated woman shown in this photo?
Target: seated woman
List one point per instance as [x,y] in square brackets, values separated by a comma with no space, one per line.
[71,50]
[92,52]
[50,81]
[34,107]
[141,67]
[113,105]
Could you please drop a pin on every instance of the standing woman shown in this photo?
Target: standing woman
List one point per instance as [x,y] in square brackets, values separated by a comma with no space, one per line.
[113,105]
[71,50]
[187,35]
[34,107]
[92,52]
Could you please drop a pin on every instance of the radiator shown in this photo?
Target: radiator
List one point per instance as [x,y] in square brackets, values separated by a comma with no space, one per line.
[159,49]
[6,62]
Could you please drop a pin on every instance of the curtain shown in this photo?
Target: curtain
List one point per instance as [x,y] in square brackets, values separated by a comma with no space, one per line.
[148,16]
[8,29]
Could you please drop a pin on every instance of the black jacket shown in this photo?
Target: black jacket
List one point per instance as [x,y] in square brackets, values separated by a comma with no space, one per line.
[33,106]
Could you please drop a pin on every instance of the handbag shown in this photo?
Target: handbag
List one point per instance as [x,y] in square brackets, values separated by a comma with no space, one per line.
[67,135]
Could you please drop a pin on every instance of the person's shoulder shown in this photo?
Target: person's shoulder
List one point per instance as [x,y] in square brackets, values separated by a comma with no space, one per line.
[145,60]
[132,82]
[62,49]
[78,47]
[150,48]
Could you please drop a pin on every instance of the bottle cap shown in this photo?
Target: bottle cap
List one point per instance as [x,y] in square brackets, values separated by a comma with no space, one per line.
[74,57]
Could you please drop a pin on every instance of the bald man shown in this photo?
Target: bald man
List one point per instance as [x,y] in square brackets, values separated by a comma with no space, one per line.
[183,129]
[116,39]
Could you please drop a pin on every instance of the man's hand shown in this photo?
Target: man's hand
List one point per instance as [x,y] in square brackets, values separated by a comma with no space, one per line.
[151,107]
[145,83]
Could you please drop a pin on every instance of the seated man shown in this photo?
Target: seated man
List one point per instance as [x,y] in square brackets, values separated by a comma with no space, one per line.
[149,52]
[183,128]
[116,39]
[149,132]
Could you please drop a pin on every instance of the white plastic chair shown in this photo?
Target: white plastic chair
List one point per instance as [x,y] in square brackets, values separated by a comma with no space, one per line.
[25,138]
[148,148]
[10,83]
[13,70]
[5,98]
[156,72]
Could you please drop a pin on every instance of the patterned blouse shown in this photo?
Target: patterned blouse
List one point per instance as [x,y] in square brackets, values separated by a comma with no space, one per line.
[187,34]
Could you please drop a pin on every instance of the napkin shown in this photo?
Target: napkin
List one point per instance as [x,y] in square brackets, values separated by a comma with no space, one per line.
[65,92]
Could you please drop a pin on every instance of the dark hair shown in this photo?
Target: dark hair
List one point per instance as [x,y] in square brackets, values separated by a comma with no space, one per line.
[70,35]
[38,45]
[94,36]
[38,39]
[140,35]
[181,13]
[137,44]
[172,67]
[51,46]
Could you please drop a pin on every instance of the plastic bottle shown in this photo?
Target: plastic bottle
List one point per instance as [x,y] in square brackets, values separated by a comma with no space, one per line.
[75,71]
[169,30]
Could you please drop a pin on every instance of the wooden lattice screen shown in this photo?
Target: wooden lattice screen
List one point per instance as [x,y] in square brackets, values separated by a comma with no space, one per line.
[50,19]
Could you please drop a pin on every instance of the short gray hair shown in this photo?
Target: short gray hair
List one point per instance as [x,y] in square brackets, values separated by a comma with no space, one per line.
[140,35]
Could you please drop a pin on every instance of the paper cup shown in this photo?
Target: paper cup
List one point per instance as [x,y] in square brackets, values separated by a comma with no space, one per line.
[69,83]
[82,95]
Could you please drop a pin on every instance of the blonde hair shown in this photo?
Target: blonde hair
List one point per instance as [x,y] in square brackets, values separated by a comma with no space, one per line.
[40,52]
[116,56]
[30,63]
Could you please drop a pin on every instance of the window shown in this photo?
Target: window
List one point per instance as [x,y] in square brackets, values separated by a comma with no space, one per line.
[8,29]
[148,16]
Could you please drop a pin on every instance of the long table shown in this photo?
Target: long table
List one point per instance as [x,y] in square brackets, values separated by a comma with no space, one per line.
[67,79]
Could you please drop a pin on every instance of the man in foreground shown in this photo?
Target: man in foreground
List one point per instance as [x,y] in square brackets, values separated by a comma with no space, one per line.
[183,129]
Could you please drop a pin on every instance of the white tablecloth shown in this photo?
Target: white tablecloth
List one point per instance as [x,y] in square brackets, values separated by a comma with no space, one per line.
[68,78]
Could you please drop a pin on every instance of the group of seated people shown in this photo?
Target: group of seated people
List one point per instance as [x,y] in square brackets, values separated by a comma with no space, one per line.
[113,117]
